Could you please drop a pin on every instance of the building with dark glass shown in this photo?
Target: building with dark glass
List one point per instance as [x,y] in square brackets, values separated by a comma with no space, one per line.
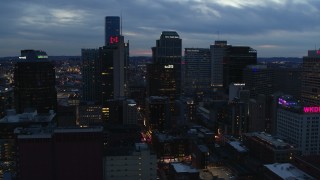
[111,65]
[218,50]
[158,113]
[90,74]
[34,82]
[164,74]
[60,153]
[197,71]
[112,27]
[236,58]
[310,83]
[258,79]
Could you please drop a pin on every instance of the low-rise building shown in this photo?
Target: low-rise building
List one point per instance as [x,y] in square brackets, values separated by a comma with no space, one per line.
[182,171]
[137,163]
[269,149]
[284,171]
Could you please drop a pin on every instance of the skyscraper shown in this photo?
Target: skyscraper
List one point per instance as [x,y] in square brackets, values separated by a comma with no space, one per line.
[310,91]
[164,74]
[90,74]
[111,65]
[234,61]
[112,27]
[105,68]
[217,53]
[197,71]
[258,79]
[34,82]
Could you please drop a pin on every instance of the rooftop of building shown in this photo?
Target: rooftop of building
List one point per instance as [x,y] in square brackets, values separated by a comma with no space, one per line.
[47,132]
[155,98]
[203,148]
[200,131]
[131,102]
[169,33]
[270,140]
[301,110]
[127,150]
[78,130]
[183,168]
[314,53]
[259,66]
[29,116]
[237,145]
[165,137]
[141,146]
[288,171]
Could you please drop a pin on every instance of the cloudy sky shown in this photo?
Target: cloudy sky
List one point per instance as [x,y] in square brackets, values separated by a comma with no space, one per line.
[63,27]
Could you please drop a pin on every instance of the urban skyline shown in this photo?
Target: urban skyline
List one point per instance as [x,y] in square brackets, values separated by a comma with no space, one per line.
[105,116]
[273,28]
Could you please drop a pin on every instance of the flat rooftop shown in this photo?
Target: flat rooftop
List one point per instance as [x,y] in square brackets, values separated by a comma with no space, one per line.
[270,140]
[182,168]
[238,146]
[288,171]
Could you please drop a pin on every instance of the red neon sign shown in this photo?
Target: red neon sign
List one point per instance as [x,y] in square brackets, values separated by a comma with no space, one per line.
[114,39]
[314,109]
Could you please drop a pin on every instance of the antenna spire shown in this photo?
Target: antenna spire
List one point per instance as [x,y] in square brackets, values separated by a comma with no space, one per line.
[121,24]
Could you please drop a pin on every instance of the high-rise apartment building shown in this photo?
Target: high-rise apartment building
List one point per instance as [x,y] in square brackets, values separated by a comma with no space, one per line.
[34,82]
[197,71]
[112,28]
[310,91]
[236,58]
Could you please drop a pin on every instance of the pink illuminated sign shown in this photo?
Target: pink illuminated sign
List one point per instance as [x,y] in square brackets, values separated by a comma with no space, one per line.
[114,39]
[315,109]
[318,52]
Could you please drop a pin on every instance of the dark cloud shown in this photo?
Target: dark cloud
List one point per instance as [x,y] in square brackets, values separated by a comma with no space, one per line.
[274,28]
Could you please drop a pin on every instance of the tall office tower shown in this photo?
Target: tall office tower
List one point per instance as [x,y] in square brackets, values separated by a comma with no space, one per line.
[310,91]
[164,74]
[90,74]
[111,66]
[126,68]
[258,79]
[197,71]
[218,51]
[112,28]
[235,60]
[158,113]
[34,82]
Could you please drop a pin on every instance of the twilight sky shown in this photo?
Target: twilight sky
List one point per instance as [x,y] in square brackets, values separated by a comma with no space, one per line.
[63,27]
